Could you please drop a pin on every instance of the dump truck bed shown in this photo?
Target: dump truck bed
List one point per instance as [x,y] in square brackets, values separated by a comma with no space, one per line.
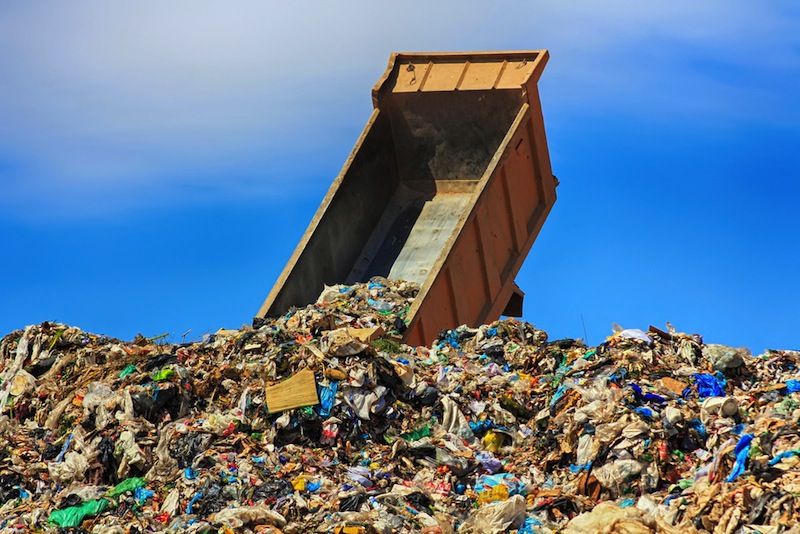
[448,186]
[412,231]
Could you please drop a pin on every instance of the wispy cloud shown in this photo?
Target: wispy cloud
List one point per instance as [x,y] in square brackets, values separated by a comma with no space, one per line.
[111,107]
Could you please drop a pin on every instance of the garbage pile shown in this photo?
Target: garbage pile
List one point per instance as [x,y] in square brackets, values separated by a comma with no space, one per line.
[323,421]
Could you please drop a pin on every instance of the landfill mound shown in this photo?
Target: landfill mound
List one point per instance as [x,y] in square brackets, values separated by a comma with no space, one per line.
[323,421]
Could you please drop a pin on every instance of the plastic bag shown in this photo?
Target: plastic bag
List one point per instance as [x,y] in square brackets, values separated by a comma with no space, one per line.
[709,385]
[488,462]
[635,333]
[74,515]
[741,451]
[513,485]
[249,515]
[72,468]
[22,383]
[723,357]
[130,484]
[454,421]
[327,397]
[792,386]
[493,441]
[608,517]
[496,517]
[352,503]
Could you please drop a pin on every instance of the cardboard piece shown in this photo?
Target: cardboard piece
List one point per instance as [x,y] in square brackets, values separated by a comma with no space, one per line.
[366,335]
[675,386]
[295,392]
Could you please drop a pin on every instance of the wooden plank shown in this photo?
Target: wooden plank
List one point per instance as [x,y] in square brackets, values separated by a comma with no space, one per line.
[295,392]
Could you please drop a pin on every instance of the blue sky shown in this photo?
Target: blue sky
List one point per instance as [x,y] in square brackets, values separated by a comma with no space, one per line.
[159,161]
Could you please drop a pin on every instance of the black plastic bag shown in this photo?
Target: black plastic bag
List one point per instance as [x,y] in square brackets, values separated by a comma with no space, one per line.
[352,503]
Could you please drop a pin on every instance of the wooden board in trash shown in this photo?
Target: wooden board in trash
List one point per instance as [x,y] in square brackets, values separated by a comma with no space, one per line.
[295,392]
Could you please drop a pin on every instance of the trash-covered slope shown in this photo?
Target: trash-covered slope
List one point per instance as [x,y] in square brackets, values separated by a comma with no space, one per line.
[323,421]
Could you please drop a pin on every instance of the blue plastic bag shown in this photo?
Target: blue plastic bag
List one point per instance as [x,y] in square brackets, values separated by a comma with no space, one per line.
[709,385]
[327,396]
[741,451]
[617,376]
[645,397]
[380,305]
[452,339]
[196,497]
[698,426]
[142,494]
[577,468]
[481,426]
[792,386]
[529,526]
[785,454]
[515,486]
[557,395]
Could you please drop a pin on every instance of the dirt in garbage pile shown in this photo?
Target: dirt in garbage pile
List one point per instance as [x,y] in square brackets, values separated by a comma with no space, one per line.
[323,421]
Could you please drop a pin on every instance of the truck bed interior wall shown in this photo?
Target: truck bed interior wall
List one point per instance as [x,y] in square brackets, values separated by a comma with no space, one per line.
[394,210]
[348,221]
[449,135]
[443,143]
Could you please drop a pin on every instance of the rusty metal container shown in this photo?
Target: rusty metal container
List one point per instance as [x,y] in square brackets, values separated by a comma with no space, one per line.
[448,185]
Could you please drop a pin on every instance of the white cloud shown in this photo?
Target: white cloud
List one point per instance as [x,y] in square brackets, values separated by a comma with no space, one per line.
[187,100]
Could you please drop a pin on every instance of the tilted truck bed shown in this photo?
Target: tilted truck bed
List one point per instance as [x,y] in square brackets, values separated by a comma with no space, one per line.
[448,185]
